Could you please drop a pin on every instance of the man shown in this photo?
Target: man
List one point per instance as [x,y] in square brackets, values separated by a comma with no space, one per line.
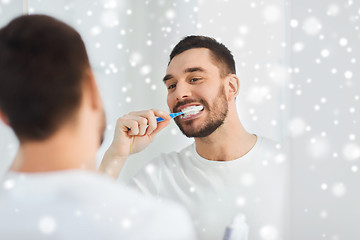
[48,96]
[227,171]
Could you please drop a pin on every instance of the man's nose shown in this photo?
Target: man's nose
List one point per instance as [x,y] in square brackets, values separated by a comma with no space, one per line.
[182,91]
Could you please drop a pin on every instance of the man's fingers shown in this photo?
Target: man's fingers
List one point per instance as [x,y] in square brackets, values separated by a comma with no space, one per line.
[143,122]
[130,126]
[152,125]
[151,116]
[136,125]
[160,126]
[161,114]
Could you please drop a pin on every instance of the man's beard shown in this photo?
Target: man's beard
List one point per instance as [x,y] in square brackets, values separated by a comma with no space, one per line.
[216,116]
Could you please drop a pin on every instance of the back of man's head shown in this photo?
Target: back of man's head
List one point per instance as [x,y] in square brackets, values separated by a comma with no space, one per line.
[42,64]
[220,53]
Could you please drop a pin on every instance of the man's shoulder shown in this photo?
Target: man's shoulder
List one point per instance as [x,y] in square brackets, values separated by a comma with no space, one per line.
[272,150]
[80,188]
[92,196]
[267,143]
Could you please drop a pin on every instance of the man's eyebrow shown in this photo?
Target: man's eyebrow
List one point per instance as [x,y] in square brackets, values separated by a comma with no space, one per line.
[187,70]
[167,77]
[194,69]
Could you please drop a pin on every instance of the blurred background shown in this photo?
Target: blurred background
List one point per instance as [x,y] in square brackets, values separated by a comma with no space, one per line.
[297,61]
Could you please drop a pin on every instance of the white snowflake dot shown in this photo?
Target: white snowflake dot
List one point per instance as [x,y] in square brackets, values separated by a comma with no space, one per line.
[351,151]
[333,10]
[150,169]
[47,225]
[312,26]
[247,179]
[268,232]
[78,213]
[9,184]
[126,223]
[272,13]
[339,189]
[294,23]
[323,214]
[240,201]
[325,53]
[170,14]
[343,42]
[352,137]
[95,30]
[348,74]
[146,69]
[243,30]
[297,126]
[280,158]
[298,47]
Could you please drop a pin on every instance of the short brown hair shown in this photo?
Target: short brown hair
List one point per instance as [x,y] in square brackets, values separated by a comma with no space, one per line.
[42,63]
[220,53]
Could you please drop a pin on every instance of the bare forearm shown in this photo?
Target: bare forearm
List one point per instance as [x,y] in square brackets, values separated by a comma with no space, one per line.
[133,133]
[111,165]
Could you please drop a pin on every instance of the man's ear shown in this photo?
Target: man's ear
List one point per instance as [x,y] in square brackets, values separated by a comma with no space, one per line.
[92,90]
[233,85]
[4,119]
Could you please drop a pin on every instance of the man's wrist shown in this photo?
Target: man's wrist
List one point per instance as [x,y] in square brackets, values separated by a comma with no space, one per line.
[112,164]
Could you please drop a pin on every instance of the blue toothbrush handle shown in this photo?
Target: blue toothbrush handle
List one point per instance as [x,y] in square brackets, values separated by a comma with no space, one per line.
[159,119]
[172,115]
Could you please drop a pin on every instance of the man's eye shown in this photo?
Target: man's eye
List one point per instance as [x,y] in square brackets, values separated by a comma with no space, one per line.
[194,79]
[171,86]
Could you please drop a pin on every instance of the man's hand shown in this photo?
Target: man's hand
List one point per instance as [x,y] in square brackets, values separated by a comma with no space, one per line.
[133,133]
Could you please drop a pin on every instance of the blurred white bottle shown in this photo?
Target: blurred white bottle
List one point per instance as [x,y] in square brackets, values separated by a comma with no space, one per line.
[238,230]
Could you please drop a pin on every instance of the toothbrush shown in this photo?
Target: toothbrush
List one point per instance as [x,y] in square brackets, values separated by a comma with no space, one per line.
[194,109]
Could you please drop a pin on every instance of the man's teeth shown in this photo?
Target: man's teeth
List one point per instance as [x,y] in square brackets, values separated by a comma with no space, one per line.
[186,115]
[191,111]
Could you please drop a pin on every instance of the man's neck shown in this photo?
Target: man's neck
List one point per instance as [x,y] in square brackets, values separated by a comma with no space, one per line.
[60,152]
[229,142]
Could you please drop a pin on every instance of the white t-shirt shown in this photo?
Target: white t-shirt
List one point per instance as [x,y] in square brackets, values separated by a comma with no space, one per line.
[214,192]
[82,205]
